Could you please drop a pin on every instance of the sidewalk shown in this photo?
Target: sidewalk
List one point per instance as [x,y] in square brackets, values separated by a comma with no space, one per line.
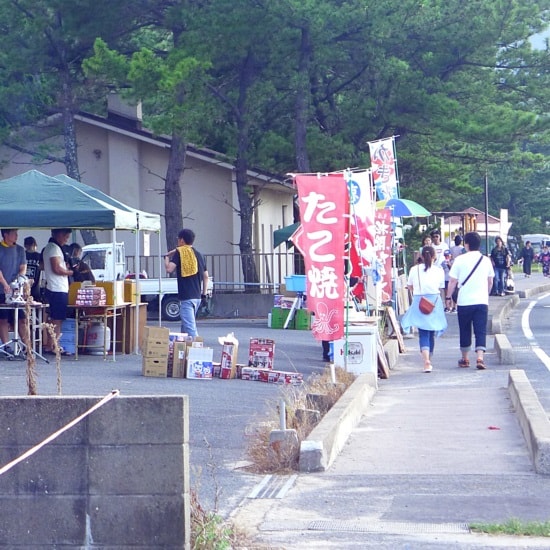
[434,453]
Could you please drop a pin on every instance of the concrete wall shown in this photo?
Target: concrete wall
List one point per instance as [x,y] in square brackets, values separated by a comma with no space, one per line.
[242,305]
[119,478]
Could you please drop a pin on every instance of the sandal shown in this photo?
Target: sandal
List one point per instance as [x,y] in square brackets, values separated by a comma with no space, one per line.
[427,367]
[463,363]
[480,365]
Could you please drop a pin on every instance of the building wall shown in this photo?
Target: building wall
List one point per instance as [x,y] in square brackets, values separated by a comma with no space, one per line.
[132,171]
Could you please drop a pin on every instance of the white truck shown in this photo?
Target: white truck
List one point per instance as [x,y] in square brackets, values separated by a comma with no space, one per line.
[109,267]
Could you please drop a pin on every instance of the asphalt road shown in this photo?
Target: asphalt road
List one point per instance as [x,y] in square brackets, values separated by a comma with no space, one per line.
[221,411]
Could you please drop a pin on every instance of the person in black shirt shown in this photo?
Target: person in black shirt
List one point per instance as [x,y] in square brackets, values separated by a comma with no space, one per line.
[34,266]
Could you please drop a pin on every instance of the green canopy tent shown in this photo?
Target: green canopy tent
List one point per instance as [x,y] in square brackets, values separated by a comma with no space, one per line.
[283,235]
[35,200]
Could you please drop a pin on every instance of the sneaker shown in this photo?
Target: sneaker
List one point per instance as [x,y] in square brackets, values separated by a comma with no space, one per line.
[447,310]
[453,310]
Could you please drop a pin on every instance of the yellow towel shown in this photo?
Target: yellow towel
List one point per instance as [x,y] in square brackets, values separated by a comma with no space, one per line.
[188,261]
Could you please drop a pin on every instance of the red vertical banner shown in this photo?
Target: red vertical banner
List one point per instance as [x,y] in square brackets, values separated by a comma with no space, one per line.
[383,245]
[323,202]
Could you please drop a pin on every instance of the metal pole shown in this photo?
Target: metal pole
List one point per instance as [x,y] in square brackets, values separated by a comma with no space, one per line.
[487,251]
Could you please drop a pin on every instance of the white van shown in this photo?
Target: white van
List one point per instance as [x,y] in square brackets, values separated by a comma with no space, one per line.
[538,240]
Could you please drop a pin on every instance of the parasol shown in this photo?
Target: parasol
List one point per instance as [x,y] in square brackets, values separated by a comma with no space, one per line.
[403,208]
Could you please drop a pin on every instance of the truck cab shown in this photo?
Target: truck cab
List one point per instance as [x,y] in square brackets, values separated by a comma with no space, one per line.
[107,263]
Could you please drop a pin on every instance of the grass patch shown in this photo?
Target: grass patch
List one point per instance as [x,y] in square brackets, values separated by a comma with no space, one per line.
[296,399]
[514,527]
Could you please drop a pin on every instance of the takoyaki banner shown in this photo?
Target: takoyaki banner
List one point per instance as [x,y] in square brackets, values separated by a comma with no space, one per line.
[323,202]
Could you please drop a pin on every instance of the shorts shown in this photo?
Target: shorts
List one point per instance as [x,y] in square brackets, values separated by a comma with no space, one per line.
[9,313]
[58,302]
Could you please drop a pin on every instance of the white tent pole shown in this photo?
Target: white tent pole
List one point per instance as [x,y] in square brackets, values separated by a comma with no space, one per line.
[161,267]
[137,297]
[115,298]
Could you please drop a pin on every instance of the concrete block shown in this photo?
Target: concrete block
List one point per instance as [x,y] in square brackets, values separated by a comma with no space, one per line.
[42,521]
[140,470]
[313,456]
[532,418]
[119,478]
[141,420]
[151,522]
[504,350]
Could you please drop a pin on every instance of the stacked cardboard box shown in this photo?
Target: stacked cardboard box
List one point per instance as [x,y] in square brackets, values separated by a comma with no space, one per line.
[90,296]
[154,350]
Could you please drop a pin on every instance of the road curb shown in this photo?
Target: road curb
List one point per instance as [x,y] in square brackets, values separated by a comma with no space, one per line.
[532,418]
[327,439]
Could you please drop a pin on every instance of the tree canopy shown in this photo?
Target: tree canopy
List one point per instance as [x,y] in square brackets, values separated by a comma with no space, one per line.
[304,85]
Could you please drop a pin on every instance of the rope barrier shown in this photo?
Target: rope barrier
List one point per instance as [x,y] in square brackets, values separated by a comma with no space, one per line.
[32,450]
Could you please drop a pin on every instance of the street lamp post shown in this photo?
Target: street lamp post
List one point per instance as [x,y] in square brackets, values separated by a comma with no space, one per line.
[486,214]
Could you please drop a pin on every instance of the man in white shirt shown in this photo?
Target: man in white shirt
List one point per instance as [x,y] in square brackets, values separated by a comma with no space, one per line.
[438,246]
[474,274]
[57,275]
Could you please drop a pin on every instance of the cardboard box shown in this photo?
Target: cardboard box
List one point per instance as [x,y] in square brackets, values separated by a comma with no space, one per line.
[261,353]
[130,290]
[199,363]
[113,290]
[73,290]
[272,376]
[155,366]
[155,342]
[179,359]
[228,363]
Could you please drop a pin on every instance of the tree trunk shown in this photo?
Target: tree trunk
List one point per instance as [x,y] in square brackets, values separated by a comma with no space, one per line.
[246,203]
[89,236]
[173,210]
[302,103]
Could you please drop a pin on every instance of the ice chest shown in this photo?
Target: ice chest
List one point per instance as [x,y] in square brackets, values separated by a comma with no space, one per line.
[361,350]
[296,283]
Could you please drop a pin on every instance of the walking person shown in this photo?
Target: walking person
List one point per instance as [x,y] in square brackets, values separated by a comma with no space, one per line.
[500,257]
[527,255]
[190,268]
[544,259]
[474,275]
[426,281]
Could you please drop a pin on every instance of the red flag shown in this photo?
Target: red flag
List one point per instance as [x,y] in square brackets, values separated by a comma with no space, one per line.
[384,252]
[323,202]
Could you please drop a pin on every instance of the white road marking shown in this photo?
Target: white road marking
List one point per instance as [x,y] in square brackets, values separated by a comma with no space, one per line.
[528,333]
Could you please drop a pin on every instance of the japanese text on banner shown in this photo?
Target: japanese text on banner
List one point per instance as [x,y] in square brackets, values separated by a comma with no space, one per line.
[323,203]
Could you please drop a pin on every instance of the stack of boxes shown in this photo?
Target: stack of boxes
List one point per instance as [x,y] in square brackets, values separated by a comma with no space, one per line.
[88,295]
[154,351]
[260,364]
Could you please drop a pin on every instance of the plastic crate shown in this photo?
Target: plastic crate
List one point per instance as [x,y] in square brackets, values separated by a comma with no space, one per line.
[296,283]
[279,316]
